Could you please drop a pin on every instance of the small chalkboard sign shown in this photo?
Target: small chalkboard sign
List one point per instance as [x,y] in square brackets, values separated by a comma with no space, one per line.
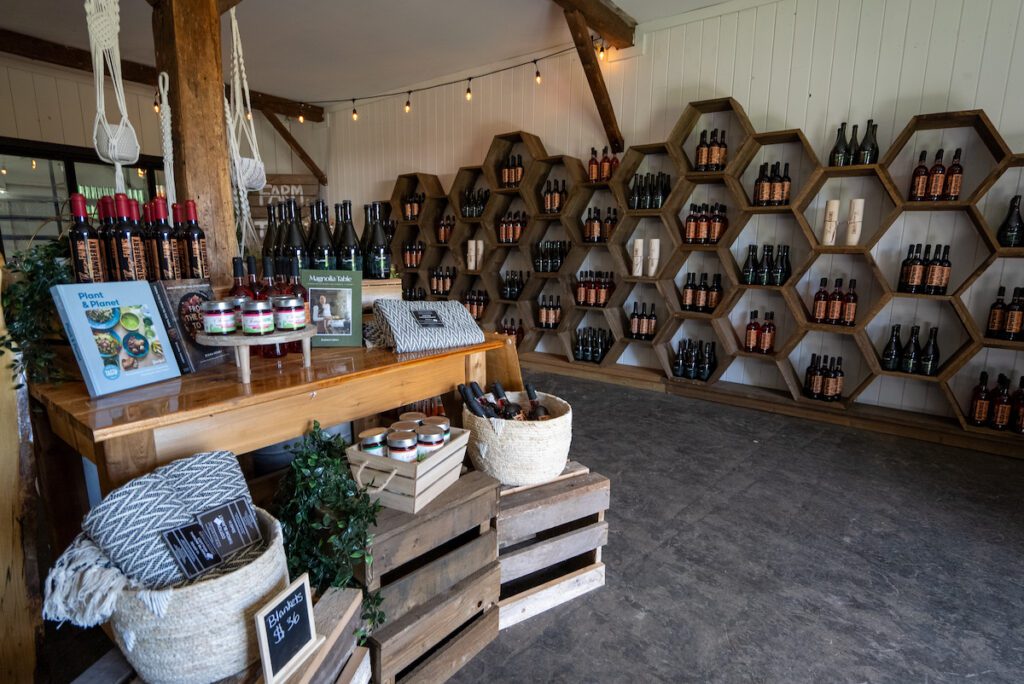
[286,631]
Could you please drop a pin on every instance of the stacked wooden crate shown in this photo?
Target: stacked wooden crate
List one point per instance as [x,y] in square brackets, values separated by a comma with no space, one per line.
[549,540]
[439,578]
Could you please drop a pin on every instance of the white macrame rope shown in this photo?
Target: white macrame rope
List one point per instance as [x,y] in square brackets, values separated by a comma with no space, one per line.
[243,215]
[240,90]
[120,145]
[163,81]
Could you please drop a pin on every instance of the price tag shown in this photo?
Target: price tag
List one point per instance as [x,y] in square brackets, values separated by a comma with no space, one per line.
[192,549]
[231,527]
[286,631]
[427,318]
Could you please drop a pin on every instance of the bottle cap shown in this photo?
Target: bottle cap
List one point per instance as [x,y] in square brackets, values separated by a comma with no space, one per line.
[147,212]
[133,210]
[160,209]
[78,205]
[121,205]
[237,269]
[179,213]
[190,211]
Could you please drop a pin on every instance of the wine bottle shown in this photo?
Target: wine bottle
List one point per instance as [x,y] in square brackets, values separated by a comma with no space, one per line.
[347,253]
[891,353]
[131,257]
[775,186]
[819,307]
[903,283]
[86,255]
[703,152]
[849,313]
[377,258]
[919,179]
[945,271]
[1011,230]
[933,271]
[294,246]
[762,188]
[996,315]
[854,151]
[270,236]
[787,183]
[830,392]
[1017,411]
[321,250]
[954,179]
[930,354]
[838,378]
[713,151]
[689,292]
[981,403]
[750,266]
[605,169]
[752,334]
[165,245]
[868,153]
[765,266]
[1001,404]
[715,292]
[701,298]
[239,284]
[593,167]
[835,304]
[766,340]
[910,358]
[808,374]
[1012,327]
[936,178]
[837,157]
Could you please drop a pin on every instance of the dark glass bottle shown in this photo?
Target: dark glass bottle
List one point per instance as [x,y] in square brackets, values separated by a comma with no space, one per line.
[765,266]
[1002,407]
[945,271]
[748,275]
[86,253]
[752,334]
[933,271]
[701,299]
[819,307]
[919,179]
[762,188]
[849,314]
[981,403]
[868,153]
[167,256]
[837,157]
[930,354]
[703,152]
[854,151]
[1013,327]
[835,304]
[901,286]
[838,377]
[1011,230]
[1017,416]
[347,252]
[936,178]
[910,358]
[689,292]
[954,178]
[715,292]
[321,255]
[282,229]
[377,256]
[996,315]
[808,374]
[294,246]
[787,183]
[270,237]
[891,353]
[131,255]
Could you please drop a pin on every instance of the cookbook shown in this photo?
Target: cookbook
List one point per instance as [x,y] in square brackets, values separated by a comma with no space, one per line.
[179,302]
[116,333]
[335,307]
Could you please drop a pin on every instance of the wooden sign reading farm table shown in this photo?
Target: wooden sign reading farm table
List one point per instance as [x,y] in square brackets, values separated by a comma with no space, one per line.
[302,186]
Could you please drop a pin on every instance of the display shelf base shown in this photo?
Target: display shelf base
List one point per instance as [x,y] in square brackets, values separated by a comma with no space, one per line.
[243,344]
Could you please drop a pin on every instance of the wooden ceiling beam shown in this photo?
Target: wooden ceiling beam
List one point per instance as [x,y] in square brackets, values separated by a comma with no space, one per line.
[62,55]
[611,23]
[581,37]
[296,147]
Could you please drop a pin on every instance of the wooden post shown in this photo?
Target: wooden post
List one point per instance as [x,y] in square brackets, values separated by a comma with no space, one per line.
[581,37]
[186,36]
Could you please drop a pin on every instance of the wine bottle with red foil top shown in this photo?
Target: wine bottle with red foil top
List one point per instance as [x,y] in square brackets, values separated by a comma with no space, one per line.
[86,252]
[152,266]
[142,231]
[131,255]
[108,239]
[180,234]
[195,238]
[164,239]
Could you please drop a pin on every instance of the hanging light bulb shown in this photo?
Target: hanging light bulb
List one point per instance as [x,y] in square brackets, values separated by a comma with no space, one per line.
[3,170]
[302,119]
[600,53]
[355,114]
[156,102]
[536,75]
[33,164]
[469,89]
[248,115]
[408,102]
[142,173]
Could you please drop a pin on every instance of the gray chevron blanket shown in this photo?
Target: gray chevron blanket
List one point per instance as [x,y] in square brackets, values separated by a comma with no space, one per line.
[422,326]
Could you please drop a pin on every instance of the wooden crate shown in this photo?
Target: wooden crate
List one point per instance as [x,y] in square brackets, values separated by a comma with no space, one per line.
[549,542]
[409,486]
[439,578]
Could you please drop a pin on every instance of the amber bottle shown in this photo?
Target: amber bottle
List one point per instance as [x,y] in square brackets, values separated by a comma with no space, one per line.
[996,315]
[919,180]
[954,179]
[981,403]
[849,314]
[936,178]
[835,304]
[1001,404]
[819,309]
[752,335]
[766,341]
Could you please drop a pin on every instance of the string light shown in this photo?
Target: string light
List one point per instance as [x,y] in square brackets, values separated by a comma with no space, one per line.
[3,170]
[469,89]
[355,114]
[156,102]
[600,53]
[33,164]
[536,75]
[302,119]
[248,116]
[408,102]
[142,173]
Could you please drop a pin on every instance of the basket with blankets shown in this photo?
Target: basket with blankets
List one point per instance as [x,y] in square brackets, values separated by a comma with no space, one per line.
[179,561]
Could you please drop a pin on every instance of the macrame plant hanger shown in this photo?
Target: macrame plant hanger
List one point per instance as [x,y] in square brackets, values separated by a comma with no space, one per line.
[248,174]
[117,145]
[165,138]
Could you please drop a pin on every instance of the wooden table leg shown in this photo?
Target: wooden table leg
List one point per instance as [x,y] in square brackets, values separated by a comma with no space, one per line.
[307,343]
[124,458]
[61,480]
[244,355]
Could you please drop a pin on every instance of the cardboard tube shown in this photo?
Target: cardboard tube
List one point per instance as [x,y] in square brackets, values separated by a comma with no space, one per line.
[853,224]
[828,233]
[638,257]
[653,254]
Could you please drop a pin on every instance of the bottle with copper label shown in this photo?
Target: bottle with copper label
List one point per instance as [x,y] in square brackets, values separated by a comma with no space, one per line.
[930,354]
[915,272]
[901,285]
[593,167]
[936,178]
[198,263]
[945,271]
[86,253]
[849,314]
[954,178]
[715,292]
[1012,327]
[892,351]
[719,222]
[703,225]
[933,271]
[700,302]
[131,255]
[787,184]
[819,307]
[762,187]
[838,379]
[723,152]
[690,226]
[910,357]
[605,169]
[996,315]
[809,373]
[835,304]
[818,378]
[1001,404]
[981,403]
[752,334]
[689,292]
[1017,411]
[108,237]
[775,186]
[766,340]
[713,152]
[919,179]
[703,153]
[830,390]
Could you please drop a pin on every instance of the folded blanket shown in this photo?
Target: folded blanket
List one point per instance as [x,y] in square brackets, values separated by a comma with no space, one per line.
[421,326]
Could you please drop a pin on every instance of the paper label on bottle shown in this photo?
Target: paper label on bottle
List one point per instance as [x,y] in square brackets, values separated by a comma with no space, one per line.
[775,191]
[979,411]
[933,276]
[691,230]
[703,227]
[935,184]
[766,341]
[830,387]
[995,320]
[816,383]
[915,274]
[702,155]
[835,307]
[1001,415]
[688,297]
[918,187]
[750,340]
[1013,322]
[820,310]
[953,184]
[849,312]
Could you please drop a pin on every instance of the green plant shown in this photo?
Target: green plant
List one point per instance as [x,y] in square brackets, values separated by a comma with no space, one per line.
[326,517]
[29,311]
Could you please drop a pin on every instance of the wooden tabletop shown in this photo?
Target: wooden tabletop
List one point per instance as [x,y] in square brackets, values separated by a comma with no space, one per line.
[217,390]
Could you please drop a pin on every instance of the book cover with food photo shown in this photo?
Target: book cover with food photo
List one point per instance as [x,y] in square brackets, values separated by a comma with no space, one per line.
[116,333]
[334,307]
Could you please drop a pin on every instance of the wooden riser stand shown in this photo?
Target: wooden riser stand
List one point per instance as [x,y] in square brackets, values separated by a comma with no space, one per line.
[549,540]
[438,574]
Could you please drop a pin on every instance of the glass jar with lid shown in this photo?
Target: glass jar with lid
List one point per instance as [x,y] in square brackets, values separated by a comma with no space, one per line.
[218,317]
[402,446]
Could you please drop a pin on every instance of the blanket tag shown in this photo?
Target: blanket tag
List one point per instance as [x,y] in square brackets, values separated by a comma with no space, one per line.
[427,318]
[191,549]
[231,526]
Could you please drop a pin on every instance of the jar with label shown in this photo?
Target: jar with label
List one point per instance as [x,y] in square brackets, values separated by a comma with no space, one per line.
[238,303]
[402,446]
[429,438]
[258,318]
[374,441]
[404,426]
[289,313]
[218,317]
[443,423]
[413,416]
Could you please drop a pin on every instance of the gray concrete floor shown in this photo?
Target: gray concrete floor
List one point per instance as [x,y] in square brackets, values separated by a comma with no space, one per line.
[751,547]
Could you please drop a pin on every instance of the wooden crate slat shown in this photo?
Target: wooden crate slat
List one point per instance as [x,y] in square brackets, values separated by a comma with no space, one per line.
[439,575]
[413,504]
[526,604]
[400,537]
[528,512]
[543,554]
[453,656]
[337,615]
[572,469]
[398,644]
[357,669]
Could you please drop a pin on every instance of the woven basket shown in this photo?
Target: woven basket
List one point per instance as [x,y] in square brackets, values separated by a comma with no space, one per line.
[208,632]
[522,452]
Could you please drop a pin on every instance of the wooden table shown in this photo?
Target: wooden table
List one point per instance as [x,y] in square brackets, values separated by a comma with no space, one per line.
[132,432]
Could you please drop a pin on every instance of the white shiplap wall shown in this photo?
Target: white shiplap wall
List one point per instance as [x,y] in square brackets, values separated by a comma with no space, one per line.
[51,104]
[806,64]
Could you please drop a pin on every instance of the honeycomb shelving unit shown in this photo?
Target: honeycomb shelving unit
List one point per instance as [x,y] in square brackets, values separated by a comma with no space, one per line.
[987,187]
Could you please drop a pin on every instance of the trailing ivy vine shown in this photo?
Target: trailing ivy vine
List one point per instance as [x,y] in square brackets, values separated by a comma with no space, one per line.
[326,517]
